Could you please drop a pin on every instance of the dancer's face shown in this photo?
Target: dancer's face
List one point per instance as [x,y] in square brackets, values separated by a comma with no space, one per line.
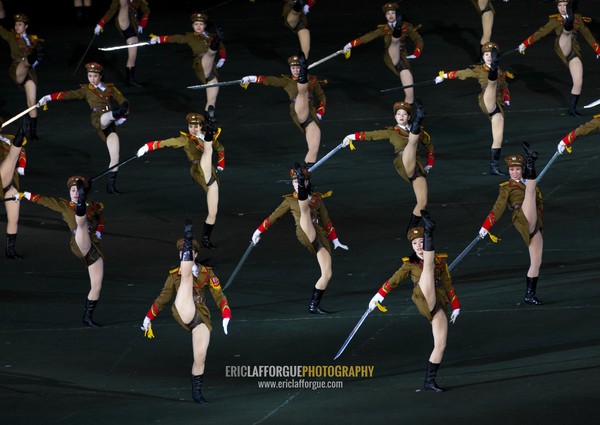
[417,246]
[295,184]
[20,27]
[402,117]
[516,173]
[295,70]
[562,7]
[487,58]
[73,193]
[194,129]
[390,16]
[94,78]
[199,26]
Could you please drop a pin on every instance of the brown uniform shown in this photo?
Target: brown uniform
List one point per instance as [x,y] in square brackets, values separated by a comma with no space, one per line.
[199,43]
[135,7]
[94,215]
[193,148]
[5,145]
[583,130]
[480,72]
[413,267]
[20,48]
[398,138]
[100,101]
[316,96]
[205,278]
[385,31]
[555,24]
[320,219]
[512,194]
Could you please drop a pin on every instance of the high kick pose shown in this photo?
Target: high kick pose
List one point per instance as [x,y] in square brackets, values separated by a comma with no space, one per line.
[432,292]
[294,17]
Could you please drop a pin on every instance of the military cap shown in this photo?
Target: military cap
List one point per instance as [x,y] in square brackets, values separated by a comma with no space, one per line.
[194,118]
[294,175]
[199,17]
[403,105]
[294,60]
[21,17]
[514,161]
[94,67]
[487,47]
[72,181]
[415,233]
[390,6]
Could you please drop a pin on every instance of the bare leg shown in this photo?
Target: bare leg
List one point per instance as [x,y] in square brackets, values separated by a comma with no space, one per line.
[409,156]
[200,341]
[304,39]
[31,95]
[184,300]
[123,16]
[576,69]
[487,21]
[112,143]
[96,272]
[324,260]
[420,188]
[406,78]
[313,140]
[536,248]
[12,211]
[212,194]
[7,166]
[132,52]
[427,279]
[439,328]
[497,122]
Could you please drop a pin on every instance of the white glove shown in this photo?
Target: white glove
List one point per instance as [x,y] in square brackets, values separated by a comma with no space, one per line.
[98,234]
[154,40]
[21,171]
[320,117]
[249,79]
[347,48]
[454,315]
[220,169]
[428,168]
[141,151]
[97,30]
[147,324]
[337,244]
[507,102]
[439,79]
[220,63]
[376,299]
[27,195]
[140,29]
[17,197]
[346,142]
[522,48]
[411,57]
[256,236]
[306,9]
[483,232]
[120,121]
[561,147]
[45,100]
[225,324]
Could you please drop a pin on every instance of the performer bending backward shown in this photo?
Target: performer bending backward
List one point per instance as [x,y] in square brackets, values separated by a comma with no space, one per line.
[188,284]
[494,95]
[294,17]
[198,146]
[591,126]
[205,49]
[307,101]
[26,52]
[524,198]
[394,33]
[405,137]
[105,118]
[314,229]
[86,224]
[566,25]
[129,26]
[432,291]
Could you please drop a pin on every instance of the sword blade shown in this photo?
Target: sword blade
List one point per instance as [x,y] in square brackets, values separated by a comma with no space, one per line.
[220,84]
[325,59]
[407,86]
[126,46]
[239,266]
[19,115]
[113,167]
[465,252]
[591,105]
[358,325]
[556,155]
[325,158]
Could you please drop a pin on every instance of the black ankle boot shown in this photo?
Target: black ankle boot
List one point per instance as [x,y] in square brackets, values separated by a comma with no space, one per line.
[430,374]
[18,139]
[530,297]
[111,183]
[397,32]
[413,222]
[32,129]
[206,243]
[88,311]
[494,162]
[197,381]
[574,98]
[303,184]
[303,75]
[315,301]
[570,21]
[299,5]
[187,251]
[121,112]
[530,157]
[131,81]
[417,117]
[80,207]
[211,123]
[493,73]
[11,239]
[216,41]
[428,234]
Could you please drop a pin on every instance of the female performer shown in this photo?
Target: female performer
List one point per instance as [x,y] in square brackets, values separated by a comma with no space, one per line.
[294,17]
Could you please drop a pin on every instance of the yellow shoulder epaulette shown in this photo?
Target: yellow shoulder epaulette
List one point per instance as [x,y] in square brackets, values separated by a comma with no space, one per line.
[504,184]
[442,255]
[597,116]
[556,15]
[287,195]
[405,259]
[205,268]
[586,19]
[326,194]
[383,26]
[175,270]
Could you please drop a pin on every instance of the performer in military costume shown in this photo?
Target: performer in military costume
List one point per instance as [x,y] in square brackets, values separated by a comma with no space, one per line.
[26,52]
[314,229]
[307,101]
[206,47]
[12,155]
[566,25]
[522,196]
[405,137]
[394,33]
[486,11]
[432,291]
[188,284]
[494,95]
[129,24]
[591,126]
[109,109]
[294,17]
[85,220]
[198,145]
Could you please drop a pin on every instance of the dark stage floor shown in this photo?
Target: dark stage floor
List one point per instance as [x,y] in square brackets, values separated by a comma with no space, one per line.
[505,362]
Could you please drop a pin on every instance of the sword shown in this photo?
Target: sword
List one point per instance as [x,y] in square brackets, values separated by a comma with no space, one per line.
[220,84]
[422,83]
[358,325]
[556,155]
[329,155]
[113,167]
[85,53]
[126,46]
[465,252]
[19,115]
[591,105]
[239,266]
[326,58]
